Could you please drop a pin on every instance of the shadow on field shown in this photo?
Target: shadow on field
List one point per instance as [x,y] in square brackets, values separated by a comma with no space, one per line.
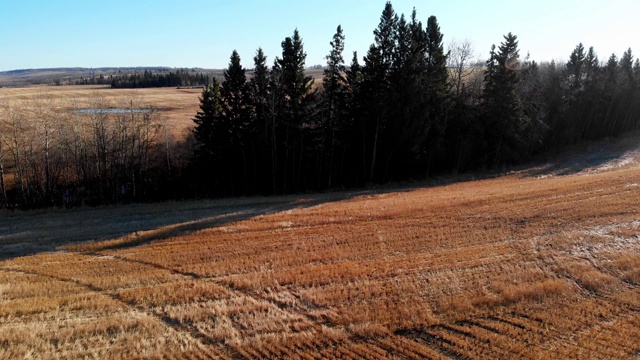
[104,228]
[599,155]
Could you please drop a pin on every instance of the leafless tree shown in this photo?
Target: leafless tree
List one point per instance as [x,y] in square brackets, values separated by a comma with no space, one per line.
[461,53]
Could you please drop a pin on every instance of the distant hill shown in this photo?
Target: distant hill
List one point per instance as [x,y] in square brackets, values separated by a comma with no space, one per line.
[67,76]
[75,75]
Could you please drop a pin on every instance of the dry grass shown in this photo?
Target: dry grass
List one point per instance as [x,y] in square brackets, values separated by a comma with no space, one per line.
[177,106]
[513,267]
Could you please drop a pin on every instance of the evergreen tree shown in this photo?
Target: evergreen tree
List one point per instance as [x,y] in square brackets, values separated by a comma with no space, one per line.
[408,122]
[211,135]
[376,86]
[235,93]
[374,94]
[385,35]
[259,90]
[502,110]
[237,115]
[354,132]
[333,101]
[437,85]
[627,78]
[264,124]
[295,113]
[575,67]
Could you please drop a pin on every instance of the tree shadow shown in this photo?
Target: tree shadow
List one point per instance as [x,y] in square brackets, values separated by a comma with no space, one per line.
[593,156]
[121,227]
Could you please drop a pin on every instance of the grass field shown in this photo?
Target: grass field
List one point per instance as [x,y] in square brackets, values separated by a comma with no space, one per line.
[529,265]
[177,107]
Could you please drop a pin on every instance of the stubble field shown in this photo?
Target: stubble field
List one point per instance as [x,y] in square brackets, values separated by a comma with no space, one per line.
[530,265]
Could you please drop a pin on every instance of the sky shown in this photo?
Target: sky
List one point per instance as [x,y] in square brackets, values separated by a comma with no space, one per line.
[194,33]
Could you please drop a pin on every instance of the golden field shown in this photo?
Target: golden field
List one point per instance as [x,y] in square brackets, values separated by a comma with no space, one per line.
[531,265]
[177,107]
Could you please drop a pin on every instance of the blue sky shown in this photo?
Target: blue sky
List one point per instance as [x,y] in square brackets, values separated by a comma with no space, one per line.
[87,33]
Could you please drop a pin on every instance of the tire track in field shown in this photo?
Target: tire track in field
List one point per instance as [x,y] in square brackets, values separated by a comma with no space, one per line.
[234,290]
[201,339]
[299,308]
[296,310]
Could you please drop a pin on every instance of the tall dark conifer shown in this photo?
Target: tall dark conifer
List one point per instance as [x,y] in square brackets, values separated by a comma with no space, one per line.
[210,133]
[237,114]
[295,113]
[333,102]
[436,90]
[376,86]
[502,111]
[575,69]
[264,124]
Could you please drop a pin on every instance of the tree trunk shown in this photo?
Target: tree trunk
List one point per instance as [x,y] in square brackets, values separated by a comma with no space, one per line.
[375,149]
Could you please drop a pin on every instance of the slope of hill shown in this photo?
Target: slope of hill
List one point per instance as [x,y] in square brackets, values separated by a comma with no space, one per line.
[542,263]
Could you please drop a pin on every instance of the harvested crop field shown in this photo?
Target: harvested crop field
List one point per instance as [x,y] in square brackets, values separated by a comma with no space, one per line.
[519,266]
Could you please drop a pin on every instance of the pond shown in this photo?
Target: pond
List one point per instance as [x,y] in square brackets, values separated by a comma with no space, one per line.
[110,111]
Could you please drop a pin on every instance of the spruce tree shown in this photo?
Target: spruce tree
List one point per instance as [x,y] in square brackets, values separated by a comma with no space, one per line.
[502,111]
[408,122]
[374,94]
[627,78]
[211,136]
[354,131]
[437,85]
[376,86]
[385,35]
[235,94]
[333,100]
[237,115]
[575,69]
[259,92]
[208,120]
[263,123]
[297,100]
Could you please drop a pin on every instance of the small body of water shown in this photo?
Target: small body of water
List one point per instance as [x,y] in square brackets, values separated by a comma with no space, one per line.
[110,111]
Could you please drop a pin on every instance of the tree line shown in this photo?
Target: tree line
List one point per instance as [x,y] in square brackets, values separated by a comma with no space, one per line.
[408,109]
[147,79]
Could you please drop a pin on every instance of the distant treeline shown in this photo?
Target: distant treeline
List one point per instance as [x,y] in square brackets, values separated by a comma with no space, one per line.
[148,79]
[410,110]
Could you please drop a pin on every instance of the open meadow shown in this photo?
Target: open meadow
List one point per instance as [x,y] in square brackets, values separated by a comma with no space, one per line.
[176,106]
[537,264]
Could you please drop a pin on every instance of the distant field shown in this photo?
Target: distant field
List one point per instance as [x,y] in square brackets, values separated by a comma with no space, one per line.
[177,106]
[531,265]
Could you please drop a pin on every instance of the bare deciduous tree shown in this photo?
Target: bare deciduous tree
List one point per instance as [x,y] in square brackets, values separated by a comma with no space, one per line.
[461,52]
